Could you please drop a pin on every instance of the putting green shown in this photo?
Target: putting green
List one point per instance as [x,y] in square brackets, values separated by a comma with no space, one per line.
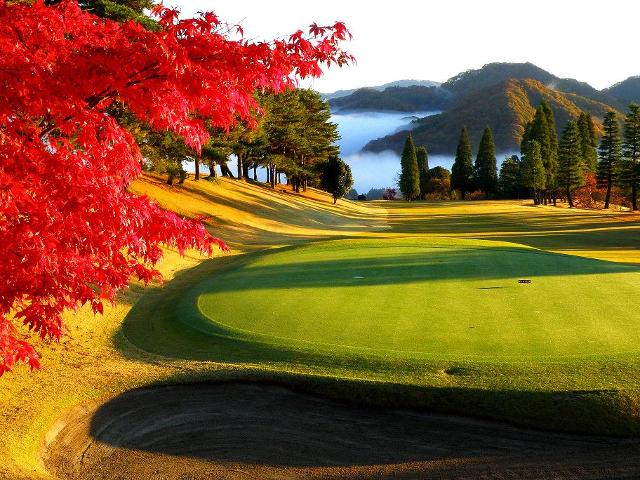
[428,298]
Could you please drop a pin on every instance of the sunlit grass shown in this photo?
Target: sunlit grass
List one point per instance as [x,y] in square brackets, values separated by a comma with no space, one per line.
[97,361]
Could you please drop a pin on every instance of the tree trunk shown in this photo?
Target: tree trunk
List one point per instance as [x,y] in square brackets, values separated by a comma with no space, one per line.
[245,170]
[170,179]
[634,196]
[212,171]
[225,170]
[569,199]
[239,166]
[335,199]
[607,197]
[272,175]
[255,172]
[197,165]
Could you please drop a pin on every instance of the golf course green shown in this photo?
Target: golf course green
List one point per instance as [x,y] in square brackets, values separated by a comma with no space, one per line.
[420,297]
[420,305]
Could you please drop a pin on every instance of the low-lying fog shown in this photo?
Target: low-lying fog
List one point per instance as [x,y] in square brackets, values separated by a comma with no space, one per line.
[370,170]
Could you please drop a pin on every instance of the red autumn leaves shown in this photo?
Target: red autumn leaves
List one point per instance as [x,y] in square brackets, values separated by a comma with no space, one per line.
[70,232]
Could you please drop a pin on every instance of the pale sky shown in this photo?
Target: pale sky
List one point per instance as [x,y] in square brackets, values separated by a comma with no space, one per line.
[434,40]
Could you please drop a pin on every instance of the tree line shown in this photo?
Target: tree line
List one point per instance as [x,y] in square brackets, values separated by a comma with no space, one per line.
[292,138]
[548,168]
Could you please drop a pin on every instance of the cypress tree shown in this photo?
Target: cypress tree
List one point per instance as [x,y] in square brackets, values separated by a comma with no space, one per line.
[462,170]
[532,173]
[486,169]
[423,167]
[570,162]
[630,168]
[609,154]
[588,141]
[409,174]
[550,162]
[508,180]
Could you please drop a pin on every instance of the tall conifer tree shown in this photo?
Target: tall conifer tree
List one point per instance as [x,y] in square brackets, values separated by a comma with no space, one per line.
[570,161]
[532,173]
[486,168]
[609,154]
[423,167]
[589,141]
[551,161]
[630,168]
[462,170]
[409,174]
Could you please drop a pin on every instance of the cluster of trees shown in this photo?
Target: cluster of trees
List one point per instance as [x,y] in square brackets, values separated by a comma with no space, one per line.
[71,231]
[416,180]
[293,136]
[552,168]
[482,175]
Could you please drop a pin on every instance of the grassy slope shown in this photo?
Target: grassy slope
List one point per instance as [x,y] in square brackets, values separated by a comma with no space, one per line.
[96,361]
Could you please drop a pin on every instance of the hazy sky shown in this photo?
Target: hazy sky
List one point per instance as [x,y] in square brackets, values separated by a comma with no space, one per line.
[434,40]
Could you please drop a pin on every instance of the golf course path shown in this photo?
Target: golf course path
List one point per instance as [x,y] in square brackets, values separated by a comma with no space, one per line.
[243,431]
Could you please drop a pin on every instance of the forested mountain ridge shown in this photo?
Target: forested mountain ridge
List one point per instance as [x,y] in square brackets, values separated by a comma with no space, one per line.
[402,99]
[506,107]
[396,83]
[627,91]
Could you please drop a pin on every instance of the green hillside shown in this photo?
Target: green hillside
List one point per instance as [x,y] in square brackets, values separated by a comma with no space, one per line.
[627,91]
[402,99]
[506,107]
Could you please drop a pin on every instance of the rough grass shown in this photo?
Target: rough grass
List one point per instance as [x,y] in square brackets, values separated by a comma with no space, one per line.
[98,361]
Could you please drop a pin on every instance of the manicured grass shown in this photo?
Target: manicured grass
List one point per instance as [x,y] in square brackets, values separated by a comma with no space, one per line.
[561,352]
[158,335]
[425,298]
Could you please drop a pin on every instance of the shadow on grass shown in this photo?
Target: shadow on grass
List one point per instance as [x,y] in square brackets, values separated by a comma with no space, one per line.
[163,322]
[258,422]
[549,229]
[428,264]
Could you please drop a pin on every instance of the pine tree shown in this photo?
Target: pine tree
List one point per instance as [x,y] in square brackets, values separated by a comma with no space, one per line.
[550,162]
[462,170]
[335,177]
[542,129]
[509,177]
[409,175]
[609,154]
[630,166]
[570,161]
[532,173]
[486,169]
[588,141]
[423,167]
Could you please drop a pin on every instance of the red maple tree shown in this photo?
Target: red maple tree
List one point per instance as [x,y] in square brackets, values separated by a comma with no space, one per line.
[70,232]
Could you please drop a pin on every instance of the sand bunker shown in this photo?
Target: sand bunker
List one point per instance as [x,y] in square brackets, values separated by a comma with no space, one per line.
[241,431]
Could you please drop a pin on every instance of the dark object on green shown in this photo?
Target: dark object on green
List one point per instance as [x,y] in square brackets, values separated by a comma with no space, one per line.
[524,280]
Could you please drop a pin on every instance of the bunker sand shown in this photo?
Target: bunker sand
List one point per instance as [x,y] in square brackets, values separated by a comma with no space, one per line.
[234,430]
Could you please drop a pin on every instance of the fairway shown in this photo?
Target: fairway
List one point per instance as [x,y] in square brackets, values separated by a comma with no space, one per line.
[427,298]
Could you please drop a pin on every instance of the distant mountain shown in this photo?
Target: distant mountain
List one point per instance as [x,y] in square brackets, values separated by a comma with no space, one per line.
[494,73]
[397,83]
[402,99]
[505,106]
[627,91]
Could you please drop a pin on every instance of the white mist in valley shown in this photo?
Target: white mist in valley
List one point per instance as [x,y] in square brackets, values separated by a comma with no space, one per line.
[370,170]
[375,170]
[379,170]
